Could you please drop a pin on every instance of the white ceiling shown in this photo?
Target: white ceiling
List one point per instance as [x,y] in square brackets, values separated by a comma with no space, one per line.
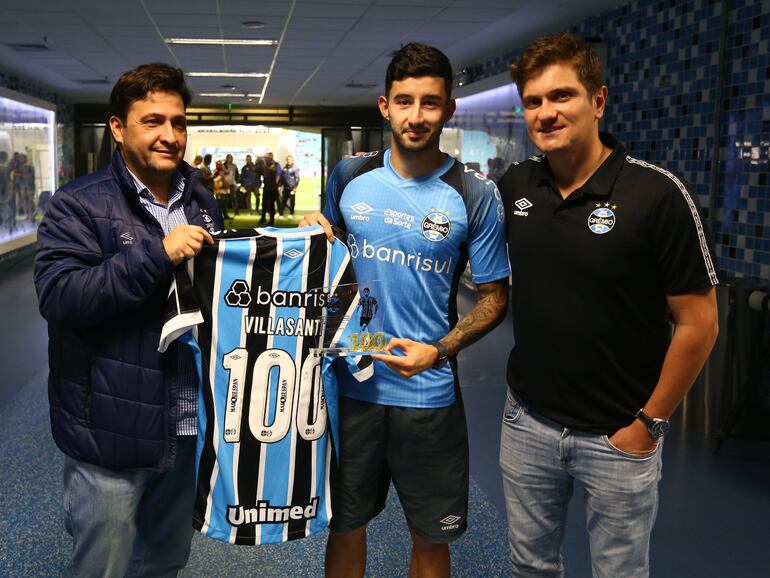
[323,44]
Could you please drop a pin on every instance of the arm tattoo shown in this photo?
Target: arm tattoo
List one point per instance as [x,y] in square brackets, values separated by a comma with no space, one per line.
[487,314]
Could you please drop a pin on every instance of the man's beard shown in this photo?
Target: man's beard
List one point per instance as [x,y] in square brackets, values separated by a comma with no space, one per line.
[406,146]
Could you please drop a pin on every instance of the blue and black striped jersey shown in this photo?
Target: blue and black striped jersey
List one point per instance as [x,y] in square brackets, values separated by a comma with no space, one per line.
[255,301]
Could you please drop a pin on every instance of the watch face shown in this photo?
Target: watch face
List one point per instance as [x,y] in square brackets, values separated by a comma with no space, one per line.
[659,428]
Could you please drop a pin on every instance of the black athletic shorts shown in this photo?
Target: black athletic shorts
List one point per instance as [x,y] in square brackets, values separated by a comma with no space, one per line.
[423,451]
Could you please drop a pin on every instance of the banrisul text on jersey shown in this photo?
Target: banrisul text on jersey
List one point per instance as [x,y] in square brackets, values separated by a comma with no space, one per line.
[255,301]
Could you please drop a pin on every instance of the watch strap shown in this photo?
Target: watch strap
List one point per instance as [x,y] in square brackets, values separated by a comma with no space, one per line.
[656,426]
[443,354]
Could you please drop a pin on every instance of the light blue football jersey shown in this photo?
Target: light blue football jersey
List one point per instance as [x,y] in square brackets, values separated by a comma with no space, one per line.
[267,405]
[415,237]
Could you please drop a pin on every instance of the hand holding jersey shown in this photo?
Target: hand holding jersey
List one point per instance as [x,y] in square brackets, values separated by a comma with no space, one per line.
[185,241]
[318,218]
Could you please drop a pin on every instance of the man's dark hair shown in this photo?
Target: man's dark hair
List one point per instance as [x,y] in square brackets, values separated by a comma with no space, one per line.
[559,48]
[136,84]
[416,60]
[207,159]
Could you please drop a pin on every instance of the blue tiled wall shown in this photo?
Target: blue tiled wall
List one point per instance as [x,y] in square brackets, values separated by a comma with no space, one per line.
[65,116]
[663,71]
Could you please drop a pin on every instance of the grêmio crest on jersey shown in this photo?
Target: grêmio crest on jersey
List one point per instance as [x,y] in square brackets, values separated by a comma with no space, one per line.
[257,307]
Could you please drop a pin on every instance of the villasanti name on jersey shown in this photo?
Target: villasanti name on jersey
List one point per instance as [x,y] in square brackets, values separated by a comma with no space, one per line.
[264,513]
[281,326]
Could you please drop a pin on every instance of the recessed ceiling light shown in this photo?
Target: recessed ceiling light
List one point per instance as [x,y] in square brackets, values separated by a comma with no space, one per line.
[221,41]
[253,24]
[228,95]
[229,74]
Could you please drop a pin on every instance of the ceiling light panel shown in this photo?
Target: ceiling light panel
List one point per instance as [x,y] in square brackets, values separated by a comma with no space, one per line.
[228,74]
[230,95]
[221,42]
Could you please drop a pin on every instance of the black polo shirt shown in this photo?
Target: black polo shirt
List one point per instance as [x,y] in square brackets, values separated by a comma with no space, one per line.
[590,277]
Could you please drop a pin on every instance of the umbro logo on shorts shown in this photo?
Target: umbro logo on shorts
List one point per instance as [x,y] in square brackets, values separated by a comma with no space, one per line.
[450,522]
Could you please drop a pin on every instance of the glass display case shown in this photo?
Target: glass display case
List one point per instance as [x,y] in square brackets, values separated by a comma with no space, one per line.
[27,165]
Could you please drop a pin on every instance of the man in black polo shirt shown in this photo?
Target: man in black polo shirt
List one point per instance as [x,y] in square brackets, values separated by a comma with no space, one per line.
[602,246]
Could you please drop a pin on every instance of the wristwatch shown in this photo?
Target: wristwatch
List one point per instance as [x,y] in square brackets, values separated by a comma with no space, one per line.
[656,426]
[443,355]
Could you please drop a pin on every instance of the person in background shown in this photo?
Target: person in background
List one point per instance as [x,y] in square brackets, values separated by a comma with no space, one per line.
[24,179]
[290,182]
[207,176]
[7,212]
[196,164]
[250,181]
[496,168]
[231,180]
[603,247]
[271,177]
[123,414]
[222,189]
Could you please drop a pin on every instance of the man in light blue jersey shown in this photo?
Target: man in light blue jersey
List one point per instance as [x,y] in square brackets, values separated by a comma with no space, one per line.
[414,218]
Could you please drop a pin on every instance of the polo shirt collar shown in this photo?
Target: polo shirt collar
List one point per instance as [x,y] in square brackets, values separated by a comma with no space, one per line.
[601,182]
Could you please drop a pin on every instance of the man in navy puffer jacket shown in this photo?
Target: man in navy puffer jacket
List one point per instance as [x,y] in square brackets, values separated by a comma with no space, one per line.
[125,415]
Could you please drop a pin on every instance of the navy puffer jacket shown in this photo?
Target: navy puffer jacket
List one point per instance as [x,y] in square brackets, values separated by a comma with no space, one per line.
[102,277]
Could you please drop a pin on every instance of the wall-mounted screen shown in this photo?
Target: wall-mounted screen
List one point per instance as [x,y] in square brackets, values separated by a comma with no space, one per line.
[27,165]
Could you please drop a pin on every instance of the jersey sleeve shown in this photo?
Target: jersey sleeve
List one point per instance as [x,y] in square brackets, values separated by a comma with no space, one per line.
[486,234]
[334,189]
[345,171]
[681,243]
[182,308]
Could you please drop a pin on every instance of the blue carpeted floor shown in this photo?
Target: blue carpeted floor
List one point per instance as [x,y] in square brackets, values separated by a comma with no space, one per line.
[34,542]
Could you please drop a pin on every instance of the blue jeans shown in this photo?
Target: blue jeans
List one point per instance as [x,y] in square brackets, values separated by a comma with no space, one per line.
[540,461]
[132,522]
